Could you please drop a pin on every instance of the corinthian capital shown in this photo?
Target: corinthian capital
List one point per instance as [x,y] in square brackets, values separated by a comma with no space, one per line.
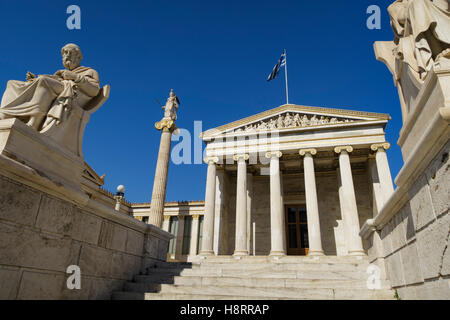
[303,152]
[384,145]
[343,148]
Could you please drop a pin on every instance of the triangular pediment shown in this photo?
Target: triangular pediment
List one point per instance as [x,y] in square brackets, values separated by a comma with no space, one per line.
[288,117]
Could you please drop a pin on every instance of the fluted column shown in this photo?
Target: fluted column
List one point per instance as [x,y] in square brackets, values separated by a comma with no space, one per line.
[194,235]
[277,226]
[160,181]
[240,248]
[348,202]
[384,173]
[210,197]
[312,206]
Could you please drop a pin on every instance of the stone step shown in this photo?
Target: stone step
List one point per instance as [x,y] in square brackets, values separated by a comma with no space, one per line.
[284,267]
[283,293]
[170,265]
[124,295]
[155,278]
[142,287]
[243,273]
[285,259]
[160,296]
[273,283]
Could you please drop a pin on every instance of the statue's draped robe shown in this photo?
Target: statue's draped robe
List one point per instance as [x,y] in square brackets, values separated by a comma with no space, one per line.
[421,28]
[50,95]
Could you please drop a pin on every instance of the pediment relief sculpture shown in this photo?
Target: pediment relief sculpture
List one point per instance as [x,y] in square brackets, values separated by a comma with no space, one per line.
[291,120]
[57,105]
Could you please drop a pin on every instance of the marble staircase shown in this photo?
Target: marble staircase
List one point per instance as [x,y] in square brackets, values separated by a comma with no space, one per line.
[256,278]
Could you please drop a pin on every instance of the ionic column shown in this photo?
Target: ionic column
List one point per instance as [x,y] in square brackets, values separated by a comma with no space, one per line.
[249,210]
[166,223]
[348,201]
[384,173]
[194,235]
[277,227]
[210,197]
[312,206]
[240,248]
[160,181]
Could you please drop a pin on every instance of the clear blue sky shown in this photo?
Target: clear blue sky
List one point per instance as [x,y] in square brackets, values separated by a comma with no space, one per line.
[216,55]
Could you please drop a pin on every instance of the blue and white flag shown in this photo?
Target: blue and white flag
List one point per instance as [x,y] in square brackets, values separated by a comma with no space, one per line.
[276,69]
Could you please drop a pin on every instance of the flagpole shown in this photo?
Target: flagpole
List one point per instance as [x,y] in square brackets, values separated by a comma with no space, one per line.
[285,73]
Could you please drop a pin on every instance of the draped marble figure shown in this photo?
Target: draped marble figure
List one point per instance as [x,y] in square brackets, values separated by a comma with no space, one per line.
[46,100]
[421,29]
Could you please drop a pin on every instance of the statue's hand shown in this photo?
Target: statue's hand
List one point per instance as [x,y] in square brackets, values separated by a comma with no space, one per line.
[69,75]
[30,76]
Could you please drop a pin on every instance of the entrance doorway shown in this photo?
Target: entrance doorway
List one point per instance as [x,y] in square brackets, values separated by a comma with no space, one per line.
[296,230]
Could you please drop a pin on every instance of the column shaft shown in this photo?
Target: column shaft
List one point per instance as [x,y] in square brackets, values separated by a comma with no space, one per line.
[277,227]
[208,222]
[348,204]
[194,235]
[384,174]
[312,206]
[160,182]
[241,208]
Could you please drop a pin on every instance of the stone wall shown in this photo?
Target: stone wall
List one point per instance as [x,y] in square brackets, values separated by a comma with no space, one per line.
[41,235]
[415,241]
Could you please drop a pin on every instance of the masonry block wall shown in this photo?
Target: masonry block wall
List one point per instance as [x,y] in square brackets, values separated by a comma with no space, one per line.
[415,242]
[41,235]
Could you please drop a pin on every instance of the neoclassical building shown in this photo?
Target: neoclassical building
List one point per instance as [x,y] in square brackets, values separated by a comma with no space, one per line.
[294,180]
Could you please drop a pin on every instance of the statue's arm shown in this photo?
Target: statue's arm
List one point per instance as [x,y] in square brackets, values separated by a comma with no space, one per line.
[89,84]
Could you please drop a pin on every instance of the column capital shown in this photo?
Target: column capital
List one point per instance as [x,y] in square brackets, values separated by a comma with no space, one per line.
[166,217]
[303,152]
[343,148]
[377,146]
[272,154]
[165,125]
[195,216]
[208,160]
[181,217]
[244,156]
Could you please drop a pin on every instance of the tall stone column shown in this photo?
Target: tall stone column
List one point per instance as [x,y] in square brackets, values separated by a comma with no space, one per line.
[249,211]
[194,235]
[312,206]
[348,202]
[210,198]
[166,223]
[384,173]
[167,126]
[240,248]
[180,237]
[277,226]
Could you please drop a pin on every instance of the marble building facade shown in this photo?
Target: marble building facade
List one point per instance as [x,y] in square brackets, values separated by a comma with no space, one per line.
[294,180]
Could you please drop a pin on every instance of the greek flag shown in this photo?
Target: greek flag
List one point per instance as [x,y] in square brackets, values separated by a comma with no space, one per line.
[276,69]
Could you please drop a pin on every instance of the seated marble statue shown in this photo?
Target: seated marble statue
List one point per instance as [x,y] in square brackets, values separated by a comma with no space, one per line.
[422,32]
[46,100]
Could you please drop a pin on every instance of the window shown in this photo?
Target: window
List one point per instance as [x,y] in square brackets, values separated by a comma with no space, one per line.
[145,219]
